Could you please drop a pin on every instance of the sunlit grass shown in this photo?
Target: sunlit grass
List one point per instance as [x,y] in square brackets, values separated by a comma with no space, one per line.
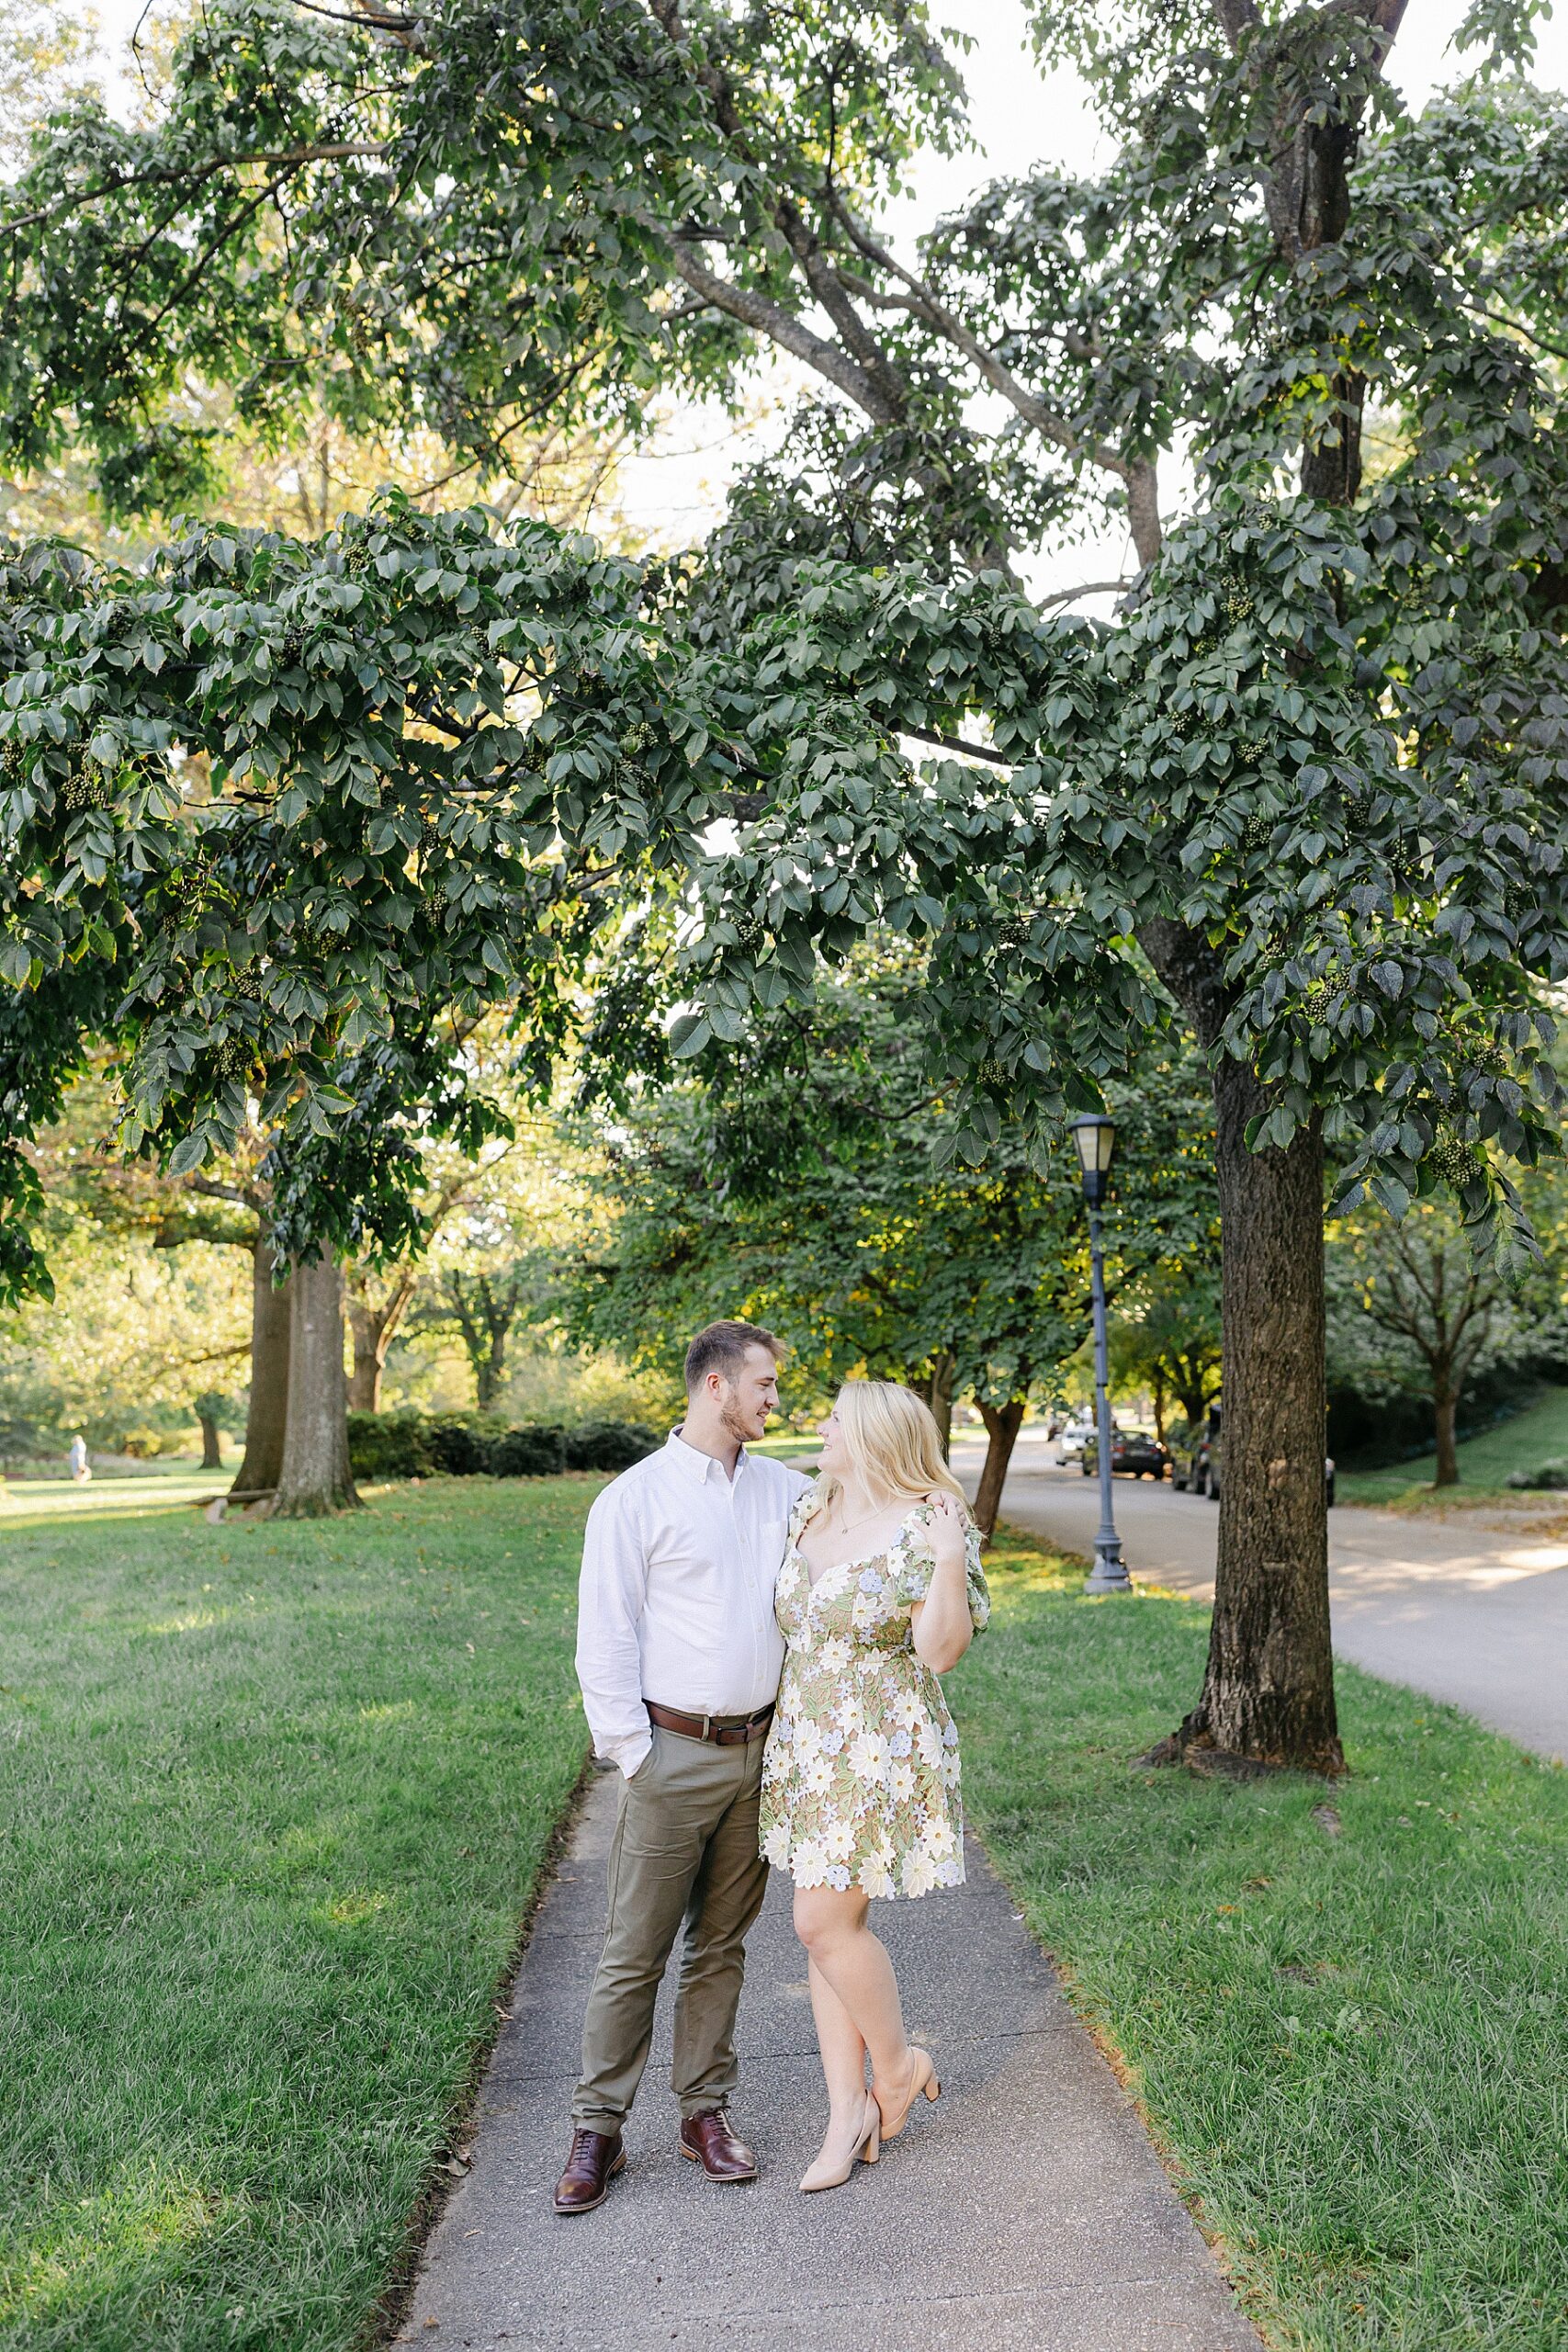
[274,1802]
[36,1502]
[1345,2009]
[1523,1443]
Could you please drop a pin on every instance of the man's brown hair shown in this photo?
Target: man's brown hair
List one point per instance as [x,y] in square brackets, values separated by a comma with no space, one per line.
[722,1347]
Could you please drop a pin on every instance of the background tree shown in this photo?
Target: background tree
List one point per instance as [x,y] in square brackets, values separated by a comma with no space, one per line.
[1305,790]
[132,1333]
[1166,1337]
[377,1298]
[484,1307]
[46,56]
[215,1408]
[1418,1285]
[803,1174]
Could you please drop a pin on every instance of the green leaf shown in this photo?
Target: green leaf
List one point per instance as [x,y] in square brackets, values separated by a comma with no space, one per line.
[688,1036]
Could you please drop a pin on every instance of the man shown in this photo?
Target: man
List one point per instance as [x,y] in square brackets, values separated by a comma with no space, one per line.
[679,1656]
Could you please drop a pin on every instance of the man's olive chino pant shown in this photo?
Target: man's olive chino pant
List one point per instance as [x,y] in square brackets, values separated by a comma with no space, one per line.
[684,1851]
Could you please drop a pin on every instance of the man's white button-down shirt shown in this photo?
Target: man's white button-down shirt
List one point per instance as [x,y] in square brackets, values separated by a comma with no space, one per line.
[676,1598]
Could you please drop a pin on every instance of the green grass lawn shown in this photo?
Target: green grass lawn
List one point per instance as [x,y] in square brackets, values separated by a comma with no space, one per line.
[274,1800]
[1537,1435]
[1345,2011]
[22,1500]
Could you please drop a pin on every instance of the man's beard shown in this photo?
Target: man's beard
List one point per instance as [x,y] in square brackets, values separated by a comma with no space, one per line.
[739,1426]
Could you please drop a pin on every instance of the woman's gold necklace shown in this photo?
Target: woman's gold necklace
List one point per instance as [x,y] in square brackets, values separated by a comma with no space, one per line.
[850,1525]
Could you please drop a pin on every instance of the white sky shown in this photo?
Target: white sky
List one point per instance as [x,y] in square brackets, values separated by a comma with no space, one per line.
[1019,118]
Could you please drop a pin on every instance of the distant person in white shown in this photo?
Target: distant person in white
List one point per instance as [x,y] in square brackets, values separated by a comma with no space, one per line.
[81,1468]
[679,1656]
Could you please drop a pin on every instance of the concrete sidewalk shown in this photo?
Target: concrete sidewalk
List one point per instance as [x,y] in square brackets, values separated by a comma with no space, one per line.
[1025,2209]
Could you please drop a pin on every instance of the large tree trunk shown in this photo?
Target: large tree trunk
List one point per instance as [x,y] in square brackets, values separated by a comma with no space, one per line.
[1445,1407]
[268,1411]
[1269,1690]
[1002,1425]
[369,1361]
[1267,1696]
[315,1476]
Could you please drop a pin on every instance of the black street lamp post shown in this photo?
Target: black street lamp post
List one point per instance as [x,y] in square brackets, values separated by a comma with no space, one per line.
[1096,1141]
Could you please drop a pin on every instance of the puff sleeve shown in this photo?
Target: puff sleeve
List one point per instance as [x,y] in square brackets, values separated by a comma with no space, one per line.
[916,1563]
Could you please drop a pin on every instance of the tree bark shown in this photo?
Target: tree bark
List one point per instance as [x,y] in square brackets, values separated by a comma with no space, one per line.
[1267,1695]
[1002,1425]
[1269,1689]
[940,1398]
[315,1478]
[372,1329]
[268,1410]
[485,1318]
[369,1363]
[211,1453]
[1445,1407]
[934,1390]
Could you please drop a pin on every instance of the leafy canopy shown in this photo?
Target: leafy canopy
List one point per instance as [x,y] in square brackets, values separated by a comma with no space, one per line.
[804,1175]
[1307,784]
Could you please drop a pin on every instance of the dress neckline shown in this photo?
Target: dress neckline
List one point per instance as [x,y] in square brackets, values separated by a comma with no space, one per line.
[863,1562]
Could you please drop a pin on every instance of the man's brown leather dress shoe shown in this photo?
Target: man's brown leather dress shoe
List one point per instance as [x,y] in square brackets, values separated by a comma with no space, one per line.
[596,2157]
[709,2142]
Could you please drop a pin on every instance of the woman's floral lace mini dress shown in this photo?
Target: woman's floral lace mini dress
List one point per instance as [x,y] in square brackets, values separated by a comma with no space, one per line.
[860,1780]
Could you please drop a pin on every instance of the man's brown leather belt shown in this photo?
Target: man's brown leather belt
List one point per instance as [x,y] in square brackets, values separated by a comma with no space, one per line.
[724,1731]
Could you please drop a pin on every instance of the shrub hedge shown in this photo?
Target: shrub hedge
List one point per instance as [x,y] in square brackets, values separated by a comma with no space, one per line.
[1551,1474]
[410,1444]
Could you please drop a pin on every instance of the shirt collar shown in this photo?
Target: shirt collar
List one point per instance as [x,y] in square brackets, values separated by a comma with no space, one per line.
[694,1462]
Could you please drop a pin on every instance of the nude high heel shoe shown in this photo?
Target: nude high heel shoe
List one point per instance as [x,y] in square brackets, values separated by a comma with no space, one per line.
[922,2077]
[825,2174]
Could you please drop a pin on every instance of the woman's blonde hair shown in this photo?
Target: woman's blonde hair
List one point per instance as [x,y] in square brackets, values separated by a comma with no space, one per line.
[893,1442]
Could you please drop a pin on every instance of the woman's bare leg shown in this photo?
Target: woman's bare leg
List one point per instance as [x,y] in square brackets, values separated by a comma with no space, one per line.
[843,2052]
[856,1969]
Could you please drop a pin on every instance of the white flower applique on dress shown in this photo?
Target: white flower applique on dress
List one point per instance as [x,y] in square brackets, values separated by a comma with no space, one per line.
[861,1781]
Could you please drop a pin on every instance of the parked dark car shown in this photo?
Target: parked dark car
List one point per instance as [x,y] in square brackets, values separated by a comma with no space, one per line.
[1137,1453]
[1195,1447]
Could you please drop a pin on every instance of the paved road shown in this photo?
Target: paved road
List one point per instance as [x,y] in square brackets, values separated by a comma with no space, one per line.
[1025,2209]
[1473,1609]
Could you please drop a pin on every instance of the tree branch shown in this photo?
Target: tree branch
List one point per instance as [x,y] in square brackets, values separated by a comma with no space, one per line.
[1039,414]
[285,159]
[956,743]
[781,326]
[407,31]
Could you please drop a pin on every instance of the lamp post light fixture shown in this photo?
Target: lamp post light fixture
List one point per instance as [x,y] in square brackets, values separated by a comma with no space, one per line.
[1095,1138]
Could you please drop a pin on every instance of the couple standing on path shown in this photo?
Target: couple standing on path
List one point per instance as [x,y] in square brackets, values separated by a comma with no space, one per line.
[758,1655]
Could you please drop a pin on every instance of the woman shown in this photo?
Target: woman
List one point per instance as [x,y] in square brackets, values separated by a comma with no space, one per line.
[879,1593]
